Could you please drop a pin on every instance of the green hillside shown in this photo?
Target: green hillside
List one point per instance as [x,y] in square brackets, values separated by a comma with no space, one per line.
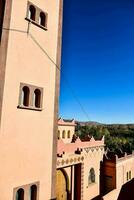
[118,137]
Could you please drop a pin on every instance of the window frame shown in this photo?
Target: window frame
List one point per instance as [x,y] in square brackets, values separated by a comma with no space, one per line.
[25,96]
[31,105]
[130,175]
[26,189]
[41,15]
[33,192]
[23,194]
[37,98]
[37,15]
[127,176]
[58,134]
[91,176]
[34,14]
[68,134]
[63,134]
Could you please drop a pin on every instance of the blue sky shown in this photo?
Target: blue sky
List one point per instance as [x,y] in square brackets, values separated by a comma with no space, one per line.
[98,60]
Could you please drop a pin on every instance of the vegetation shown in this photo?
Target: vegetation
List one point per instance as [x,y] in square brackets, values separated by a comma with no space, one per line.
[118,137]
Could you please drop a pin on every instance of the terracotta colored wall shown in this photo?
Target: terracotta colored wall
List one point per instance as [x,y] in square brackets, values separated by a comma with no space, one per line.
[122,166]
[26,136]
[108,177]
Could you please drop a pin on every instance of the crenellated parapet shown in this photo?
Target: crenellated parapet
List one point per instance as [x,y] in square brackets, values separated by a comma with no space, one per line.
[74,153]
[78,146]
[66,122]
[125,157]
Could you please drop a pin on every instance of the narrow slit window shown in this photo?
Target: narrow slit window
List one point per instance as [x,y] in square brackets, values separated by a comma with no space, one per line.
[25,96]
[68,134]
[33,192]
[20,194]
[32,12]
[91,177]
[63,134]
[129,174]
[58,134]
[37,98]
[42,19]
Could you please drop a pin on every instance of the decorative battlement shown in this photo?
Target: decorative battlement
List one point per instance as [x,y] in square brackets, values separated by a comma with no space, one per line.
[66,122]
[78,146]
[125,157]
[114,158]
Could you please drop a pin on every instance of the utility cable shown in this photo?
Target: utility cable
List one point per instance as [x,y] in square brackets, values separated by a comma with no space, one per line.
[45,52]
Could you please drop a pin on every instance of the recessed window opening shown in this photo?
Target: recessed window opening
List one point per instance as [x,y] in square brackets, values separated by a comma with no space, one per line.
[42,19]
[68,134]
[58,134]
[33,192]
[20,194]
[37,98]
[25,96]
[32,12]
[129,174]
[91,177]
[63,134]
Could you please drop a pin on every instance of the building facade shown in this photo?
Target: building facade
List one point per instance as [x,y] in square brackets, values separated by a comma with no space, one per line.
[66,130]
[34,165]
[30,48]
[78,164]
[86,172]
[116,171]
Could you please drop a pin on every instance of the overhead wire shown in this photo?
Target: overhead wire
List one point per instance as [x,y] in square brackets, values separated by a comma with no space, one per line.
[45,52]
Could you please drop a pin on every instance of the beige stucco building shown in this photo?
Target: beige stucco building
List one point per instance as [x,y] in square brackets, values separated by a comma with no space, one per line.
[78,164]
[35,165]
[116,172]
[85,171]
[30,47]
[66,130]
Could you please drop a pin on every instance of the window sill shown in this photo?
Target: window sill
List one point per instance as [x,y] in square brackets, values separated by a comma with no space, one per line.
[29,108]
[35,23]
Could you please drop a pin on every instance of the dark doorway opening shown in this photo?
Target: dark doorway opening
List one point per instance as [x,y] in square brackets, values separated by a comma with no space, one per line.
[77,182]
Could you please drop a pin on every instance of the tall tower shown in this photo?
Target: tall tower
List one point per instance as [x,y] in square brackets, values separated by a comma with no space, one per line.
[30,48]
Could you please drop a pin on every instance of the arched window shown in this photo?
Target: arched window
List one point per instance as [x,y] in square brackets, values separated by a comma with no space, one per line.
[32,12]
[33,192]
[58,134]
[25,96]
[37,98]
[42,19]
[68,134]
[63,134]
[91,177]
[20,194]
[129,174]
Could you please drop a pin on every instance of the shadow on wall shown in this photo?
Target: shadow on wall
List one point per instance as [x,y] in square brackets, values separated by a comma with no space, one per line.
[127,191]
